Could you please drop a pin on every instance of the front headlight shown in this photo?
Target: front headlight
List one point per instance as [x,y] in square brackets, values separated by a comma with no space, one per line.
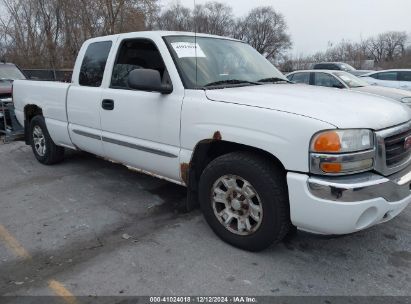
[341,152]
[342,141]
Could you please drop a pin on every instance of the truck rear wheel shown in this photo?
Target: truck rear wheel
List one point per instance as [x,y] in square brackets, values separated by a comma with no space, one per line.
[45,150]
[244,199]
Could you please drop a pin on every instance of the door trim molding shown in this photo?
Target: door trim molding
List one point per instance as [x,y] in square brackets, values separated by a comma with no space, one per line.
[87,134]
[138,147]
[125,144]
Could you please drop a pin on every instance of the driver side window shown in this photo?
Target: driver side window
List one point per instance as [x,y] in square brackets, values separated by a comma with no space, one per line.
[137,54]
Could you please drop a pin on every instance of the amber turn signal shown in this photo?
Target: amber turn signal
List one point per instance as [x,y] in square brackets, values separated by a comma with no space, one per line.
[331,168]
[327,142]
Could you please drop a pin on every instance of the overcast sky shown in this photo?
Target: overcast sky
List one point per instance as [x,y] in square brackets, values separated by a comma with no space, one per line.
[314,23]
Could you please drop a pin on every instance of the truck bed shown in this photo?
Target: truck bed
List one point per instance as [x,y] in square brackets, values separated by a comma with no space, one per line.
[51,97]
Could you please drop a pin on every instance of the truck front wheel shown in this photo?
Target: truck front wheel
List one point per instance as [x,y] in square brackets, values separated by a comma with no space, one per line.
[45,150]
[244,199]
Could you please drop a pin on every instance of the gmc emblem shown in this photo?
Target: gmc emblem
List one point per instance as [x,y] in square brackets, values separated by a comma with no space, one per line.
[407,143]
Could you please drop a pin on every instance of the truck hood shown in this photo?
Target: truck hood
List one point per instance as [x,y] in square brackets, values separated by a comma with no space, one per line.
[341,108]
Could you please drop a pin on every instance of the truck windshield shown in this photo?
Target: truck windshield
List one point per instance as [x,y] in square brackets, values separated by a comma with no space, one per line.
[205,62]
[11,72]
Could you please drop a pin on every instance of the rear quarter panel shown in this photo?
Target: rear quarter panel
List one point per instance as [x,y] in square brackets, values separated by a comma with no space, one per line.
[51,98]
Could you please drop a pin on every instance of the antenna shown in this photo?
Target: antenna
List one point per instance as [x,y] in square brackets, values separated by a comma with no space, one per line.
[195,40]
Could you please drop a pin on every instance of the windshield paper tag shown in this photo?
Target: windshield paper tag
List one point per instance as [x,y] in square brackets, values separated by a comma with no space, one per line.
[187,49]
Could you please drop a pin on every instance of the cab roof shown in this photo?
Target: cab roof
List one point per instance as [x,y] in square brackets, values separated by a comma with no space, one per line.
[159,34]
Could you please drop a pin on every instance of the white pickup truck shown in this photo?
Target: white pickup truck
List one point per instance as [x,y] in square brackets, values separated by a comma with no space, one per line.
[262,155]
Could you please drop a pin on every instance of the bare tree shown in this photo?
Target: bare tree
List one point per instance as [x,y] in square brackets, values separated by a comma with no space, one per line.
[214,18]
[388,50]
[176,18]
[49,33]
[387,46]
[125,15]
[265,30]
[394,44]
[23,35]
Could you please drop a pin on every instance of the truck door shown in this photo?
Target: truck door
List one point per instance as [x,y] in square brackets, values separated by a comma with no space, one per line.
[142,129]
[84,97]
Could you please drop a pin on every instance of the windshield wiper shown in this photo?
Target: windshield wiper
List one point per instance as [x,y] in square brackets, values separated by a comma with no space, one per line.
[230,81]
[274,80]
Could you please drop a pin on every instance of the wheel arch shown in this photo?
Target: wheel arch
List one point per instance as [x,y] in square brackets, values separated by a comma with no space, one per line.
[30,111]
[206,151]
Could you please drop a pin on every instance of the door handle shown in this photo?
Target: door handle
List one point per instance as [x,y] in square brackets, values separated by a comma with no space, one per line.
[107,104]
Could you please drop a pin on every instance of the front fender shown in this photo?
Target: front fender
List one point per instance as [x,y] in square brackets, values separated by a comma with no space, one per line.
[284,135]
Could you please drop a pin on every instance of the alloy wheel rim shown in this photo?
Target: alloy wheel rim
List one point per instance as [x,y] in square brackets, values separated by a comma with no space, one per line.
[39,141]
[237,205]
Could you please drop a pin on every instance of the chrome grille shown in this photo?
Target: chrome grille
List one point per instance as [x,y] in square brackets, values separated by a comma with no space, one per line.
[391,155]
[395,151]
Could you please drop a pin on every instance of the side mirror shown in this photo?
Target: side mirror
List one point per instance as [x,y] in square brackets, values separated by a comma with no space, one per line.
[148,80]
[338,86]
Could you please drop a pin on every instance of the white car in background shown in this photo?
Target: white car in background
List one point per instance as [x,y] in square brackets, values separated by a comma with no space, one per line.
[398,79]
[344,80]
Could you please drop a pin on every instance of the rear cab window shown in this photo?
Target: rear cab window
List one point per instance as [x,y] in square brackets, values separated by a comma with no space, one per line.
[94,63]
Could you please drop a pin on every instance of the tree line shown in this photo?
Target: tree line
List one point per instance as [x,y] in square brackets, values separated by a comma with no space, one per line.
[49,33]
[385,50]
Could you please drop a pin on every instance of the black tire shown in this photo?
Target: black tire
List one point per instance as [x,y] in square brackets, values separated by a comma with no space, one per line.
[269,181]
[53,154]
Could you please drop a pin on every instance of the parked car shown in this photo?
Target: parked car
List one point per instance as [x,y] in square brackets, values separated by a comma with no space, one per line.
[8,73]
[339,66]
[399,79]
[344,80]
[262,155]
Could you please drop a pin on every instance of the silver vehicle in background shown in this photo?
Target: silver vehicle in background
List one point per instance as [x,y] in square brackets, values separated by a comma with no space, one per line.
[339,66]
[398,79]
[344,80]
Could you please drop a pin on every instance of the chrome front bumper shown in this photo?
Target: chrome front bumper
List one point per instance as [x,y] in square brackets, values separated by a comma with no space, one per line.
[361,187]
[341,205]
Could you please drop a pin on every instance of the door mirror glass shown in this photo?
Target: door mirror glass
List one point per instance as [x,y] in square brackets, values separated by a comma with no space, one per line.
[148,80]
